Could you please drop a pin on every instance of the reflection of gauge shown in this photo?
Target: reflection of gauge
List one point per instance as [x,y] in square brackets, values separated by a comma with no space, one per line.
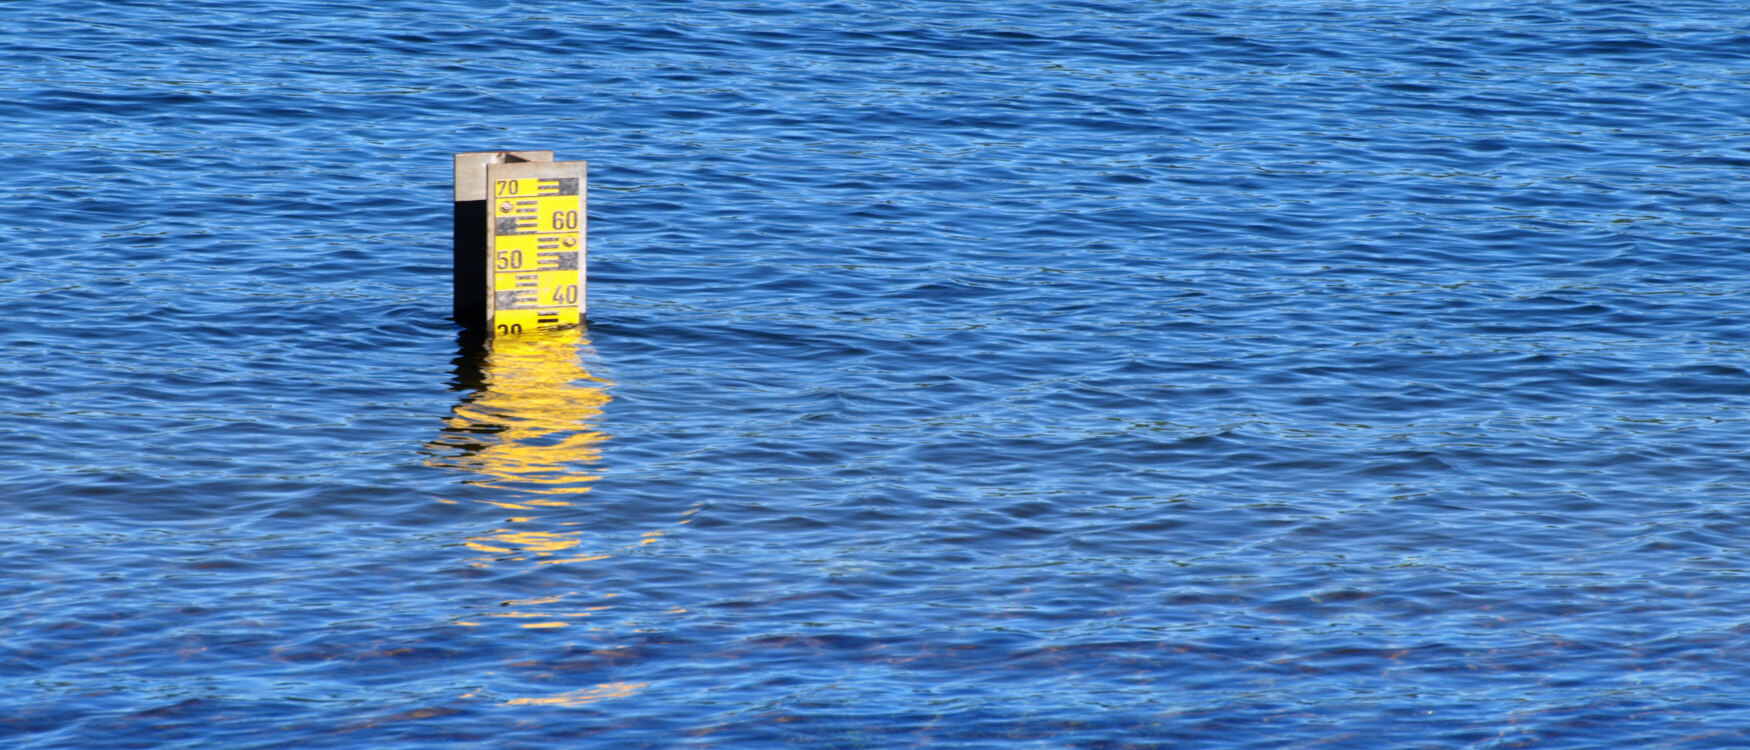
[530,432]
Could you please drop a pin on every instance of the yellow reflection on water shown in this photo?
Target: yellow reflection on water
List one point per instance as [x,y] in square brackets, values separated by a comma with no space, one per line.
[531,424]
[582,697]
[530,428]
[527,437]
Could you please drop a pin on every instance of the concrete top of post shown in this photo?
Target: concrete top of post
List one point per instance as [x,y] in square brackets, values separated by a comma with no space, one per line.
[470,179]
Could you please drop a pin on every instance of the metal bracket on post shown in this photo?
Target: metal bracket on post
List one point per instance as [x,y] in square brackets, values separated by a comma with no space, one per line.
[520,241]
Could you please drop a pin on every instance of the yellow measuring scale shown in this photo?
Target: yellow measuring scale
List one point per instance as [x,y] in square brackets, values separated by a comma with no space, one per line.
[529,213]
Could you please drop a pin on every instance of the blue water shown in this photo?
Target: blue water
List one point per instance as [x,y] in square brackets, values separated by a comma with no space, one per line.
[1035,374]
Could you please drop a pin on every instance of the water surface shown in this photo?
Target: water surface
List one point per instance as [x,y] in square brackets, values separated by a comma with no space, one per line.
[1051,374]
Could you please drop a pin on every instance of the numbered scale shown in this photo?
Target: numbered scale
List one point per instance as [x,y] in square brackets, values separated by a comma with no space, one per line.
[534,237]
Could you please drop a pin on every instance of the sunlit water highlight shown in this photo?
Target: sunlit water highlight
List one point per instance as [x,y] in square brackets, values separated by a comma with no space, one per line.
[1037,375]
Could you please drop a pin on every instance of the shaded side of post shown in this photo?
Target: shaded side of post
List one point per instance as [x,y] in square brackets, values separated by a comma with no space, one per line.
[471,262]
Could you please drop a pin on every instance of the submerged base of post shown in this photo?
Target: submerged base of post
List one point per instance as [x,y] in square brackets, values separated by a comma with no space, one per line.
[520,241]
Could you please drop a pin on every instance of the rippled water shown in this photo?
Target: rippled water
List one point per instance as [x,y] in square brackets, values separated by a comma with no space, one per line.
[1041,374]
